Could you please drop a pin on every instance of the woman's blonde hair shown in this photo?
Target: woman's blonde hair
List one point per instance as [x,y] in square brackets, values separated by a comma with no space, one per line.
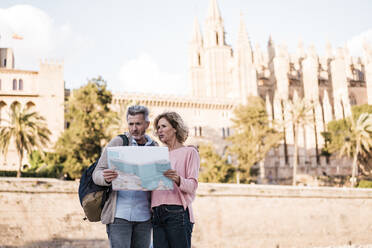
[175,120]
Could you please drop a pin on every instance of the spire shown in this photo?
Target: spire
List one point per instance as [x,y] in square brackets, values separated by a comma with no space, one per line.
[311,52]
[327,108]
[258,56]
[365,44]
[300,49]
[270,48]
[214,32]
[340,53]
[243,37]
[270,41]
[329,51]
[277,107]
[196,34]
[282,50]
[348,62]
[268,108]
[347,56]
[213,11]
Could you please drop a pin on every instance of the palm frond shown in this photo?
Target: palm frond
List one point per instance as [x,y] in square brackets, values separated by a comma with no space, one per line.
[27,129]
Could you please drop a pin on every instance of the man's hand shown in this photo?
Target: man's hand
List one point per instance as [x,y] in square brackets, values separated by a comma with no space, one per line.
[109,175]
[172,175]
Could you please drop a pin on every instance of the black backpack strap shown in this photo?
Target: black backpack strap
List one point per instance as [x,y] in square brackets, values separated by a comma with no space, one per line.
[125,139]
[105,196]
[154,143]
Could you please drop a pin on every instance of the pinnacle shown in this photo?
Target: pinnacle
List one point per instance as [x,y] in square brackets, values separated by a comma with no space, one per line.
[213,11]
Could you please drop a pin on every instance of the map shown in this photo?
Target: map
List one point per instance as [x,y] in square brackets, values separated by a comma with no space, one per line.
[140,167]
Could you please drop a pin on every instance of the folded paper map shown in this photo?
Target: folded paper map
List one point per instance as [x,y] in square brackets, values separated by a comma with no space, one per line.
[140,167]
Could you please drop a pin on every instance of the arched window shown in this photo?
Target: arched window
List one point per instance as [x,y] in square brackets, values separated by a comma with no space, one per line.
[200,131]
[223,132]
[30,106]
[199,60]
[353,100]
[14,84]
[15,105]
[228,131]
[20,84]
[2,111]
[358,75]
[216,38]
[4,62]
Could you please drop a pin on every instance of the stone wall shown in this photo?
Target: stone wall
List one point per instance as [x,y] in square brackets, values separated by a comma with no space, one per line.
[43,212]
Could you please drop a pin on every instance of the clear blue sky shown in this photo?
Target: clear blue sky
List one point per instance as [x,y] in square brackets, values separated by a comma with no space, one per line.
[142,45]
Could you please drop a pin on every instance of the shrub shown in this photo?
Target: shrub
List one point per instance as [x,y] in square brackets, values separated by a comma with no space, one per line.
[365,184]
[50,174]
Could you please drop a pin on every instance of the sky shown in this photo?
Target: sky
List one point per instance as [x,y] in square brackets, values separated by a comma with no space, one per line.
[142,45]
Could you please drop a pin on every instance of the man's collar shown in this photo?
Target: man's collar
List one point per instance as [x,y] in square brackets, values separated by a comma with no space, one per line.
[134,142]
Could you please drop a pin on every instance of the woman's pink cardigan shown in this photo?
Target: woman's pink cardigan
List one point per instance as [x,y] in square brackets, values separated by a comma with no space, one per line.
[186,162]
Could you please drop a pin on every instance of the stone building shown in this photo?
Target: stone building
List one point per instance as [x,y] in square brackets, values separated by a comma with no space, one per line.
[221,78]
[41,90]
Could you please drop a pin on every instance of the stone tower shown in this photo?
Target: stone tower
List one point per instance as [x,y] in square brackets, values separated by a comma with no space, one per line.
[196,64]
[6,58]
[210,57]
[244,72]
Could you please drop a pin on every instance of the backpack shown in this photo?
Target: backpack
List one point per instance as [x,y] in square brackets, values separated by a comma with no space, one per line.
[92,196]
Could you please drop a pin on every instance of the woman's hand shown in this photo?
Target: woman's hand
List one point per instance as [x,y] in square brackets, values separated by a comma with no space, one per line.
[172,175]
[109,175]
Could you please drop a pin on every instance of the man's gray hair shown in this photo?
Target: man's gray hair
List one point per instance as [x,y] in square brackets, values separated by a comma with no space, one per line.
[139,109]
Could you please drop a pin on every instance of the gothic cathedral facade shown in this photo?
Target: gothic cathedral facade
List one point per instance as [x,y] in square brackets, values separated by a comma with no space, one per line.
[221,78]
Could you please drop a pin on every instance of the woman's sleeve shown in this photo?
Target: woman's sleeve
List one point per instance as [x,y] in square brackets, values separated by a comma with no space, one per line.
[190,183]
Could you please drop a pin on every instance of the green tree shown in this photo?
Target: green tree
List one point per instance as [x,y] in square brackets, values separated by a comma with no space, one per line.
[358,142]
[44,164]
[339,133]
[119,123]
[360,109]
[88,116]
[253,136]
[213,167]
[27,129]
[300,115]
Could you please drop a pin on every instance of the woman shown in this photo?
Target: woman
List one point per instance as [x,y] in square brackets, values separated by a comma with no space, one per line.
[173,218]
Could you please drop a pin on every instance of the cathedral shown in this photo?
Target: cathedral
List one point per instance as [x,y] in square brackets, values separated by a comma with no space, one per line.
[223,77]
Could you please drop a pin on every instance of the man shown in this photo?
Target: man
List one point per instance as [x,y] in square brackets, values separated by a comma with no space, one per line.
[127,213]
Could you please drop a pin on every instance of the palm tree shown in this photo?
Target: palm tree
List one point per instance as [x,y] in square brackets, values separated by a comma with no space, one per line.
[358,142]
[28,130]
[300,115]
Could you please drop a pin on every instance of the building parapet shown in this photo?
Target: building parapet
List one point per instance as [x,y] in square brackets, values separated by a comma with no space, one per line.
[174,100]
[51,61]
[16,71]
[18,93]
